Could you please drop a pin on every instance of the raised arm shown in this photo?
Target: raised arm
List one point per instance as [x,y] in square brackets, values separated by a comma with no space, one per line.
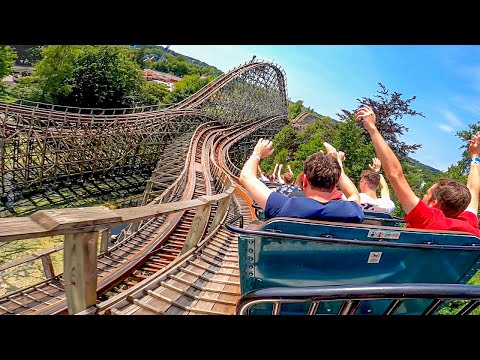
[259,170]
[473,182]
[391,165]
[290,170]
[346,185]
[262,176]
[274,174]
[376,166]
[384,191]
[279,177]
[257,190]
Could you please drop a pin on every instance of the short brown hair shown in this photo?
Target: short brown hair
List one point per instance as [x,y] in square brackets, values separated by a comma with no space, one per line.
[452,197]
[287,178]
[371,177]
[322,171]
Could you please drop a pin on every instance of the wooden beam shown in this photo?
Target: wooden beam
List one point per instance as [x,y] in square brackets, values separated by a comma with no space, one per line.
[80,270]
[47,266]
[106,236]
[222,208]
[134,226]
[31,257]
[146,212]
[197,228]
[71,218]
[80,220]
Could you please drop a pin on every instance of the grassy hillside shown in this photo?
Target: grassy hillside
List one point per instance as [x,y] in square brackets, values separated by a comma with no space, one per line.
[422,167]
[190,59]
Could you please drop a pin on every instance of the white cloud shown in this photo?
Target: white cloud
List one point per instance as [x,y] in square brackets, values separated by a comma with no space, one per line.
[472,74]
[446,128]
[453,119]
[471,104]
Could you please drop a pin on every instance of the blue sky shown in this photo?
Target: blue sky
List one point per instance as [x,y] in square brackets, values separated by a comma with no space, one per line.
[445,79]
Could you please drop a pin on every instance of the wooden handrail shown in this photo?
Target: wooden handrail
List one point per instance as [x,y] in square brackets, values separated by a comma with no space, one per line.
[81,228]
[72,221]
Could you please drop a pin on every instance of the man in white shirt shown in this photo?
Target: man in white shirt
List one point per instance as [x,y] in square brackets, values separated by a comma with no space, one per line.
[370,180]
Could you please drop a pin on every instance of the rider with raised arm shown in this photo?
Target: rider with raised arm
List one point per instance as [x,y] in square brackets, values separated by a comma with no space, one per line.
[322,172]
[370,180]
[448,204]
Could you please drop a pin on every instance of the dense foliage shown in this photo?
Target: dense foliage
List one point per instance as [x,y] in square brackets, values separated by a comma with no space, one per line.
[389,108]
[27,55]
[107,76]
[7,59]
[148,56]
[189,85]
[103,77]
[295,108]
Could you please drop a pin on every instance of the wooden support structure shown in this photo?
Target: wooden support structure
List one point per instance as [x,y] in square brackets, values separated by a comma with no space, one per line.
[29,258]
[105,239]
[47,266]
[197,228]
[53,145]
[222,209]
[80,270]
[81,227]
[134,226]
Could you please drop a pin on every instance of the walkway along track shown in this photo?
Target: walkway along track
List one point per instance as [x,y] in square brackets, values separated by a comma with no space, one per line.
[205,280]
[48,297]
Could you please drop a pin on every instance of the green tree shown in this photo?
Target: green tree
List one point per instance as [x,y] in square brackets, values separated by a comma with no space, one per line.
[295,109]
[139,56]
[464,163]
[27,54]
[55,69]
[152,93]
[7,59]
[350,139]
[389,109]
[189,85]
[325,125]
[28,88]
[102,77]
[284,143]
[34,54]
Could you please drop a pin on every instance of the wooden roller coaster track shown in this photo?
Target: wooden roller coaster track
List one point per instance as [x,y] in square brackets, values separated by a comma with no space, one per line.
[160,243]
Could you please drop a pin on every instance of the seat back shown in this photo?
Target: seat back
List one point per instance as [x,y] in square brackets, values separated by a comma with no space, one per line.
[371,217]
[383,219]
[286,252]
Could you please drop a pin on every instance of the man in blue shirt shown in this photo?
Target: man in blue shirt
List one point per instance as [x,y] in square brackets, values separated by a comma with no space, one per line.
[322,172]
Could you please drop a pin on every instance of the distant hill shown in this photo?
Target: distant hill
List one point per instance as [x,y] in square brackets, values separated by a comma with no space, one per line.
[192,60]
[422,166]
[306,109]
[181,65]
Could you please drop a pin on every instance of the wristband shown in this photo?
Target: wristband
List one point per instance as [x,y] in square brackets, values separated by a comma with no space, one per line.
[258,157]
[475,161]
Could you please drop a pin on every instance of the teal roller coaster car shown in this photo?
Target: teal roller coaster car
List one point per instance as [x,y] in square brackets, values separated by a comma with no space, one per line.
[306,254]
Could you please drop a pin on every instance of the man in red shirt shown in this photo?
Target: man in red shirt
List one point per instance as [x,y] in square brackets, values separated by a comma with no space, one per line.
[448,204]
